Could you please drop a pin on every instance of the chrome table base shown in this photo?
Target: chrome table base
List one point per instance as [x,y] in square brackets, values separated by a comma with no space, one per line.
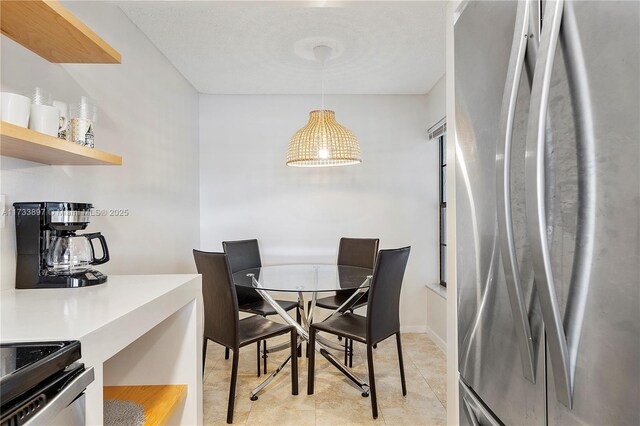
[322,344]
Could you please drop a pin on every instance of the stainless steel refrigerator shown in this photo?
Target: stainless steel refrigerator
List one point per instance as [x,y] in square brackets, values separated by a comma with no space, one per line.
[548,212]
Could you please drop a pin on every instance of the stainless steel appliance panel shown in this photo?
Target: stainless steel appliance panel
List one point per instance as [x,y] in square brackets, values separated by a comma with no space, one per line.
[473,412]
[489,354]
[73,414]
[68,406]
[593,195]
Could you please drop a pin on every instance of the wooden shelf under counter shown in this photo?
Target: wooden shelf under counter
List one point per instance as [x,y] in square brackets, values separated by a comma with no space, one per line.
[51,31]
[158,401]
[26,144]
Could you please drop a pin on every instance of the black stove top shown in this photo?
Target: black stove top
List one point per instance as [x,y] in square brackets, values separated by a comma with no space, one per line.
[25,365]
[13,358]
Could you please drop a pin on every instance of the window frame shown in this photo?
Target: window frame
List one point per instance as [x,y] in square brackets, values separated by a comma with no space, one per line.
[438,132]
[442,206]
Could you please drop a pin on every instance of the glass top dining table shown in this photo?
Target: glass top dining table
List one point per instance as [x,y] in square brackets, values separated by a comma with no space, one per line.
[304,278]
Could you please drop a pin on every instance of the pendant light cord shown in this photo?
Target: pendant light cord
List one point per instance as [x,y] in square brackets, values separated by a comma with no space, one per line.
[322,54]
[322,85]
[324,136]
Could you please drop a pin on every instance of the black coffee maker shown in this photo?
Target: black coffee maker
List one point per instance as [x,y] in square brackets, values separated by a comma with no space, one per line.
[50,254]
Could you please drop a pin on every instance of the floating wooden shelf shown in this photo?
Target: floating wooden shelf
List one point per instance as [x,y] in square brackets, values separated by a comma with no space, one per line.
[158,401]
[50,30]
[18,142]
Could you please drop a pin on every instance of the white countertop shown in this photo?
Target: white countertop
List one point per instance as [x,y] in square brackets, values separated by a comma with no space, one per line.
[133,329]
[74,313]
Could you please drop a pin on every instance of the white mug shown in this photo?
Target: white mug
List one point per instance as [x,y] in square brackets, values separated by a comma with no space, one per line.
[15,108]
[63,121]
[45,119]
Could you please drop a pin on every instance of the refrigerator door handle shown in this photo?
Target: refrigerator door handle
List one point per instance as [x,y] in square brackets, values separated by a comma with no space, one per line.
[470,414]
[477,413]
[587,174]
[535,203]
[503,181]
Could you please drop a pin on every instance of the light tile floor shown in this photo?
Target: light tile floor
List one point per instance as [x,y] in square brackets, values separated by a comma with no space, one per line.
[336,401]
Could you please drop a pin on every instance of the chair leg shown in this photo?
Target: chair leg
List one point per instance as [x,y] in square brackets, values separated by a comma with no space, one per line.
[372,382]
[258,357]
[351,353]
[264,355]
[346,352]
[404,383]
[204,354]
[299,321]
[226,353]
[232,385]
[294,362]
[312,361]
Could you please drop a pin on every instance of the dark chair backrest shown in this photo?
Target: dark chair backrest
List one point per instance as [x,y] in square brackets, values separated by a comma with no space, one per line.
[383,311]
[241,255]
[359,252]
[221,316]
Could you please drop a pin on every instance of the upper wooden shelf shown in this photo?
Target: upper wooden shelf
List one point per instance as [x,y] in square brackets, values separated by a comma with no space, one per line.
[18,142]
[50,30]
[158,401]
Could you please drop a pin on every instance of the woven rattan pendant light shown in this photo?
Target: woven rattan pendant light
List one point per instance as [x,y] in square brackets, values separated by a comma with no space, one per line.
[323,142]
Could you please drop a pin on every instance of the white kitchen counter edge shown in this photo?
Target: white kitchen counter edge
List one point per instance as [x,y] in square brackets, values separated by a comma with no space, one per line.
[75,313]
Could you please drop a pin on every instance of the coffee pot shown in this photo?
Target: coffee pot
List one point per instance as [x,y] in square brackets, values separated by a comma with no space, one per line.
[50,250]
[74,254]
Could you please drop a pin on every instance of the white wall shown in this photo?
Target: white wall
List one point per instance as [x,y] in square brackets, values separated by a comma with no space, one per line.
[436,303]
[148,114]
[299,214]
[436,103]
[437,318]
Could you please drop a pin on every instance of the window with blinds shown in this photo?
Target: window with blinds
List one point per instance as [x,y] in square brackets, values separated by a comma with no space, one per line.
[438,133]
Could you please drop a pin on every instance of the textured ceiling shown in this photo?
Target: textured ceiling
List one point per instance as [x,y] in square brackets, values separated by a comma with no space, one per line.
[250,48]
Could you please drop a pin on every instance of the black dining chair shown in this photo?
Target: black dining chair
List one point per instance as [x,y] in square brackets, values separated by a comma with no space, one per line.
[245,254]
[222,323]
[382,320]
[360,252]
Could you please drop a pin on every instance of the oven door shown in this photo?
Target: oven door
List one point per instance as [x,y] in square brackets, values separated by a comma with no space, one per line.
[73,415]
[68,406]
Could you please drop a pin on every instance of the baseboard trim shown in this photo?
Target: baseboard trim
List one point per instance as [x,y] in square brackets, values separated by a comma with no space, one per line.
[441,344]
[413,329]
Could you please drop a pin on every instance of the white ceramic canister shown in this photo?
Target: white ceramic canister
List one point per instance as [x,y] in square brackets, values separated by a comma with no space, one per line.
[44,119]
[15,108]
